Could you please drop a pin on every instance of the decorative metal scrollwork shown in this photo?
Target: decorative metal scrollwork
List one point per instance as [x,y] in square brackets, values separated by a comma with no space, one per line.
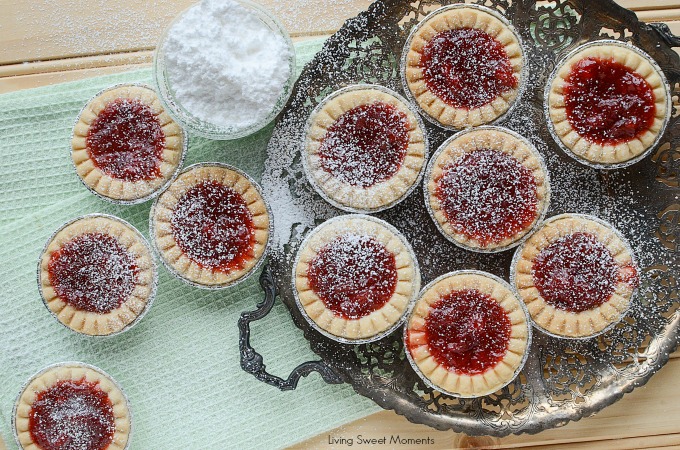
[562,380]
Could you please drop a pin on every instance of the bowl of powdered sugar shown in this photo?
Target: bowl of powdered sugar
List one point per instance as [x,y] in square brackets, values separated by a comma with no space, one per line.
[224,68]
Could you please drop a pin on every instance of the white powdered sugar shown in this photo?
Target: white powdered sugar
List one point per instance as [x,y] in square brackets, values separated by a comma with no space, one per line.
[225,65]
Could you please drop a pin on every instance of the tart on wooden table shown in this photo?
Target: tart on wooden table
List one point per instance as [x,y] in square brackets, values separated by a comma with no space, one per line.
[211,226]
[354,277]
[468,334]
[486,189]
[72,406]
[576,274]
[97,275]
[365,148]
[462,65]
[125,146]
[608,104]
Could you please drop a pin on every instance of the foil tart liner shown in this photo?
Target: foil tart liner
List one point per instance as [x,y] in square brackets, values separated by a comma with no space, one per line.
[70,364]
[541,215]
[154,282]
[258,264]
[411,307]
[551,125]
[305,160]
[523,75]
[159,189]
[204,128]
[311,321]
[516,257]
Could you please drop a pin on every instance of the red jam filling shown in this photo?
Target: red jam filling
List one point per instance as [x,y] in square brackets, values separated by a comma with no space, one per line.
[126,141]
[213,226]
[93,273]
[353,276]
[608,103]
[577,273]
[467,331]
[467,68]
[488,196]
[72,415]
[365,145]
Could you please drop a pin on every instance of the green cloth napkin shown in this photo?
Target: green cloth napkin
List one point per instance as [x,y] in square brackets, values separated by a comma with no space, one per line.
[180,364]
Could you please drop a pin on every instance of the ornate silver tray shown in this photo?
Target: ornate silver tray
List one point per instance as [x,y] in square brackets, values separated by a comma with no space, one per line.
[563,380]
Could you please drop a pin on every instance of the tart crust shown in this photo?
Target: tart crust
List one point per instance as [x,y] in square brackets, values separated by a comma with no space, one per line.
[76,372]
[488,138]
[458,384]
[591,151]
[115,188]
[452,18]
[378,322]
[93,323]
[171,253]
[566,323]
[382,194]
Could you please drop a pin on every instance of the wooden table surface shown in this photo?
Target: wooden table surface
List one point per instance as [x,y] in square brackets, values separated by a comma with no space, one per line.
[39,46]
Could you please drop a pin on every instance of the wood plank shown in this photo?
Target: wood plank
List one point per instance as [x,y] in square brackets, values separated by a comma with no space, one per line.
[61,29]
[41,73]
[10,84]
[646,5]
[647,417]
[46,64]
[133,26]
[14,77]
[656,15]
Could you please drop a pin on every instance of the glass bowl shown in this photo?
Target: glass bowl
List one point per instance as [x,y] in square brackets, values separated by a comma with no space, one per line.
[202,127]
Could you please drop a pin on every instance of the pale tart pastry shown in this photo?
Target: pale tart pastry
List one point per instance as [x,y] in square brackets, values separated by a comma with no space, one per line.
[125,146]
[211,226]
[576,275]
[486,189]
[97,275]
[364,148]
[354,277]
[608,103]
[463,66]
[72,406]
[468,334]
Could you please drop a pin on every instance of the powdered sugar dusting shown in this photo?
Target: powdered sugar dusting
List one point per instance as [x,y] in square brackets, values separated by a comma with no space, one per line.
[225,65]
[93,272]
[467,68]
[467,331]
[575,273]
[72,415]
[213,226]
[488,196]
[353,275]
[126,141]
[366,145]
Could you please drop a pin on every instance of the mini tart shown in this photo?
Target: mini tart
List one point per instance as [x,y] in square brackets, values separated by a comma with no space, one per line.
[467,334]
[364,149]
[354,277]
[211,225]
[463,66]
[69,406]
[576,275]
[96,275]
[486,189]
[608,103]
[125,146]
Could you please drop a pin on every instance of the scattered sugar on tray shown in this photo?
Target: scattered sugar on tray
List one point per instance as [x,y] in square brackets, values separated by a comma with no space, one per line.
[225,65]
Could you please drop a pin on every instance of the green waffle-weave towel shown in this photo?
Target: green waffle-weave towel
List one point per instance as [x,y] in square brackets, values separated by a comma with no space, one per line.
[180,365]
